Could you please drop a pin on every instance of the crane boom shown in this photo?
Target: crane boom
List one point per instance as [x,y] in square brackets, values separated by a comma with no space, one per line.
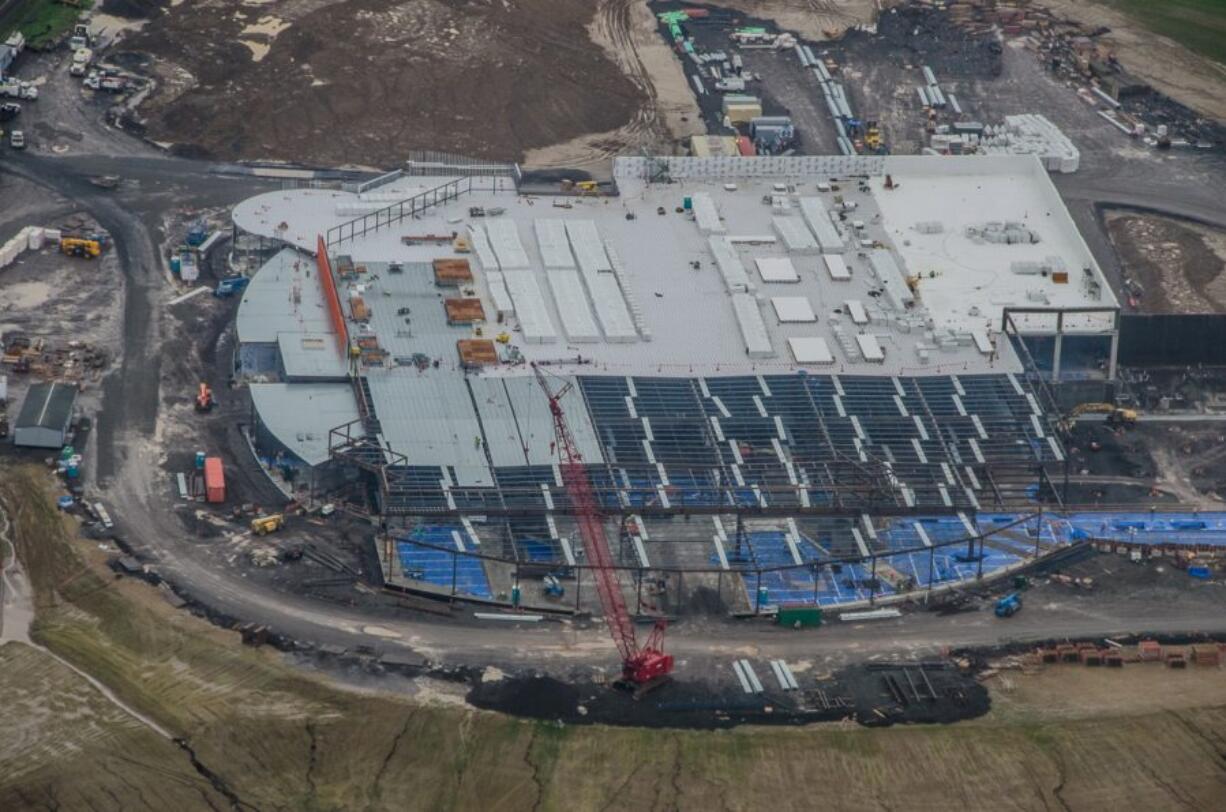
[639,665]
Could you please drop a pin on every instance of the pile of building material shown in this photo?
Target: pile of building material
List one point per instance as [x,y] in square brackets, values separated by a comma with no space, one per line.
[1033,134]
[1026,134]
[29,237]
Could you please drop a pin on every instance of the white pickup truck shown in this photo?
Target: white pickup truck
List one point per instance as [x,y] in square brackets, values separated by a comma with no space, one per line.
[13,89]
[80,61]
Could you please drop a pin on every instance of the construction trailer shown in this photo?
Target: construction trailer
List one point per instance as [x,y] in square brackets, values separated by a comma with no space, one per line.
[46,416]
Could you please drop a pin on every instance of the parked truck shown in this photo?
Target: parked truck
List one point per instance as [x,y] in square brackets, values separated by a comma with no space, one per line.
[230,286]
[81,58]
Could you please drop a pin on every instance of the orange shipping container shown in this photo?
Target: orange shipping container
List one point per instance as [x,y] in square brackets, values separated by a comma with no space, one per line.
[214,480]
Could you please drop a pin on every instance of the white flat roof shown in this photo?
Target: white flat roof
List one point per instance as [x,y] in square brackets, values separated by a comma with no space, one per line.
[669,299]
[793,309]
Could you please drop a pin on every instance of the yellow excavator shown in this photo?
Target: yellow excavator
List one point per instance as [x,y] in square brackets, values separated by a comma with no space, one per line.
[263,525]
[1117,416]
[79,247]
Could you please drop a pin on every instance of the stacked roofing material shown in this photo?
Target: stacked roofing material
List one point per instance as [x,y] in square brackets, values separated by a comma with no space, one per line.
[740,109]
[729,264]
[705,214]
[886,269]
[753,328]
[1032,134]
[555,248]
[607,298]
[795,235]
[823,228]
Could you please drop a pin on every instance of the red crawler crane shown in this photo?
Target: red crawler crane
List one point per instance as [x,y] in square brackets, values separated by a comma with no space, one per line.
[642,667]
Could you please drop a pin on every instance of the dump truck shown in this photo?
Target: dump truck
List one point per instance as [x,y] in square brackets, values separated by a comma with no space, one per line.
[263,525]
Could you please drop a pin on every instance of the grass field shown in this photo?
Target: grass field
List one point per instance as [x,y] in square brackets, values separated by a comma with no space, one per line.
[41,21]
[278,738]
[1197,24]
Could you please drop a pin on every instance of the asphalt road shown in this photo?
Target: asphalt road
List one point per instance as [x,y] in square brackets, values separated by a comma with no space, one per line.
[155,183]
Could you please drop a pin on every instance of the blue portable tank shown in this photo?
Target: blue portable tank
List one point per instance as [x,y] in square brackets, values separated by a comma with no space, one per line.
[72,471]
[200,460]
[176,265]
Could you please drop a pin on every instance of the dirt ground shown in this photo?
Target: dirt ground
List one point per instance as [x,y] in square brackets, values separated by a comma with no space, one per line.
[255,733]
[272,80]
[1164,63]
[1174,266]
[810,19]
[40,293]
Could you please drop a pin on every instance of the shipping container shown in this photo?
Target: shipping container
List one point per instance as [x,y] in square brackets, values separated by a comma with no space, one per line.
[214,480]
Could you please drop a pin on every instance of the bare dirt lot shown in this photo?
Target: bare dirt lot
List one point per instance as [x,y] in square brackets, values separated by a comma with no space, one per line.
[1167,65]
[1174,266]
[365,81]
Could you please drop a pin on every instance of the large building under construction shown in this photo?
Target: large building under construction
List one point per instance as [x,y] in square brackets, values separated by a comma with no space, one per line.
[808,379]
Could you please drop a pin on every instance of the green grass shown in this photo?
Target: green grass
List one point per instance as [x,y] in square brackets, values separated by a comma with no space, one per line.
[1199,25]
[42,21]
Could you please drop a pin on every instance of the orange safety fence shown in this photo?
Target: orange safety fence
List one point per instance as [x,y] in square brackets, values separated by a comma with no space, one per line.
[331,296]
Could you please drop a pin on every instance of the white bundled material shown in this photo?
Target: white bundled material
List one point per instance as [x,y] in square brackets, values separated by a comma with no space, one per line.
[571,298]
[35,241]
[929,77]
[504,239]
[816,217]
[481,245]
[811,350]
[836,267]
[555,248]
[729,265]
[923,95]
[753,328]
[809,55]
[856,312]
[530,308]
[499,295]
[793,309]
[795,235]
[611,308]
[589,250]
[930,227]
[800,54]
[870,348]
[1007,233]
[776,269]
[1030,133]
[891,276]
[13,248]
[705,214]
[953,103]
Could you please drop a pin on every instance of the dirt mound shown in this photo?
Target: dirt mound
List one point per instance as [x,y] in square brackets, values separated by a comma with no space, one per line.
[874,695]
[366,81]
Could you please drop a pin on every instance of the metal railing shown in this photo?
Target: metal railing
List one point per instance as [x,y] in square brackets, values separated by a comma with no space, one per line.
[398,212]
